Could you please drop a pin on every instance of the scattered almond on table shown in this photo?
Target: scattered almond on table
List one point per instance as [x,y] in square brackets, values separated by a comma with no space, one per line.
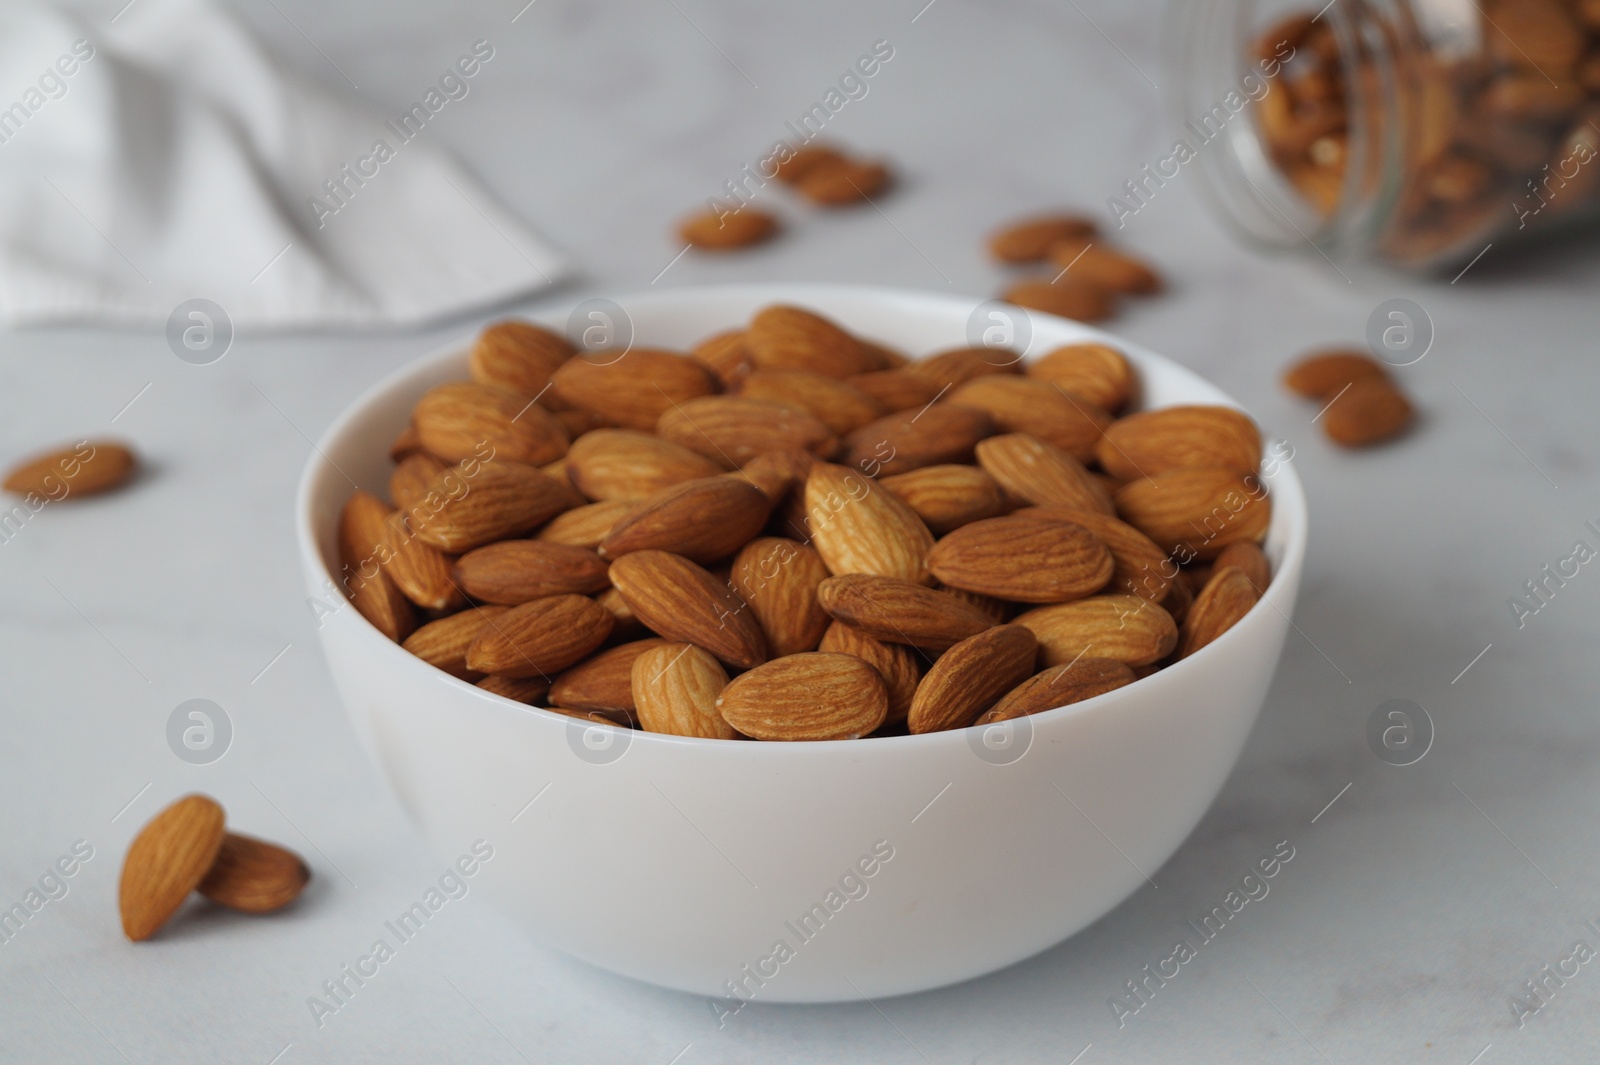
[1088,276]
[83,469]
[1364,404]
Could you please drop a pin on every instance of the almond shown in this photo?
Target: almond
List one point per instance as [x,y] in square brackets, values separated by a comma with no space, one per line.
[1090,262]
[895,663]
[896,390]
[1324,374]
[949,369]
[682,602]
[1371,411]
[675,687]
[421,571]
[603,683]
[586,526]
[779,578]
[631,389]
[726,230]
[1031,471]
[254,876]
[84,469]
[540,638]
[998,611]
[811,696]
[833,402]
[907,440]
[1227,597]
[1247,556]
[776,473]
[593,717]
[459,420]
[1059,686]
[1139,567]
[901,612]
[948,497]
[844,183]
[1124,628]
[519,571]
[470,505]
[883,356]
[725,356]
[1029,240]
[732,430]
[792,338]
[1098,373]
[443,644]
[363,530]
[797,162]
[1027,558]
[1180,596]
[1073,299]
[406,444]
[702,520]
[970,676]
[1199,510]
[859,527]
[167,860]
[612,464]
[1038,408]
[578,422]
[409,482]
[1152,442]
[518,689]
[519,355]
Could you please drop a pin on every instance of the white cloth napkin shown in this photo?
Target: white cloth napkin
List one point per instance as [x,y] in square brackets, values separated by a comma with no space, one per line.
[165,156]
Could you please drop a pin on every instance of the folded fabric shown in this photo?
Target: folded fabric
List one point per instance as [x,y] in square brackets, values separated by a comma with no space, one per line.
[163,156]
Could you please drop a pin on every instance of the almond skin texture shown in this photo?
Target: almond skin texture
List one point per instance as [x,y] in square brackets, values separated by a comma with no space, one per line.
[540,638]
[732,430]
[833,402]
[518,689]
[519,571]
[702,520]
[167,860]
[792,338]
[896,664]
[680,601]
[1027,558]
[950,369]
[1226,598]
[1199,510]
[1098,373]
[254,876]
[603,683]
[455,421]
[896,390]
[1124,628]
[901,612]
[1029,240]
[520,356]
[632,389]
[1073,299]
[464,509]
[421,571]
[410,480]
[363,530]
[910,440]
[613,464]
[727,230]
[812,696]
[1031,471]
[443,644]
[587,525]
[779,578]
[860,527]
[1324,374]
[725,355]
[969,677]
[948,497]
[1139,567]
[675,688]
[1038,408]
[84,469]
[1059,686]
[1093,263]
[1248,557]
[1152,442]
[1371,411]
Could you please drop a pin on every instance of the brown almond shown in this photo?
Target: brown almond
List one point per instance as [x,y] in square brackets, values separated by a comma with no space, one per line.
[793,338]
[1038,408]
[777,472]
[896,390]
[406,444]
[1124,628]
[969,677]
[1371,411]
[1095,263]
[1030,240]
[1073,299]
[464,420]
[518,689]
[948,497]
[680,601]
[732,430]
[998,611]
[909,440]
[896,663]
[811,696]
[1027,558]
[363,532]
[844,183]
[612,464]
[84,469]
[860,527]
[167,860]
[421,571]
[1324,374]
[1059,686]
[518,355]
[953,368]
[1226,598]
[883,356]
[411,479]
[1139,567]
[1098,373]
[254,876]
[603,682]
[725,355]
[1152,442]
[675,688]
[472,504]
[1180,597]
[587,525]
[1031,471]
[519,571]
[540,638]
[631,388]
[728,230]
[1247,556]
[901,612]
[833,402]
[1199,510]
[778,578]
[702,520]
[443,643]
[795,163]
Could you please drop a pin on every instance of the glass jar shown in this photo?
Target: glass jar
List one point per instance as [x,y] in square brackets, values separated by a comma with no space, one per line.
[1413,132]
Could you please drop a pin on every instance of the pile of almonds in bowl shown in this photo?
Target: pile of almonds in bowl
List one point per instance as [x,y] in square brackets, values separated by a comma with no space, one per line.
[794,533]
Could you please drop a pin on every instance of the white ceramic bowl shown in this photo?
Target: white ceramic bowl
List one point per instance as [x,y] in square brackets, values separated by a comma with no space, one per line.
[686,862]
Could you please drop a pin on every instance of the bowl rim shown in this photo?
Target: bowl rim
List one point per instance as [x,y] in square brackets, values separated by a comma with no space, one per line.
[1285,486]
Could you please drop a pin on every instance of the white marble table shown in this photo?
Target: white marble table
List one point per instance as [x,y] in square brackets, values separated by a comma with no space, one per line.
[1417,902]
